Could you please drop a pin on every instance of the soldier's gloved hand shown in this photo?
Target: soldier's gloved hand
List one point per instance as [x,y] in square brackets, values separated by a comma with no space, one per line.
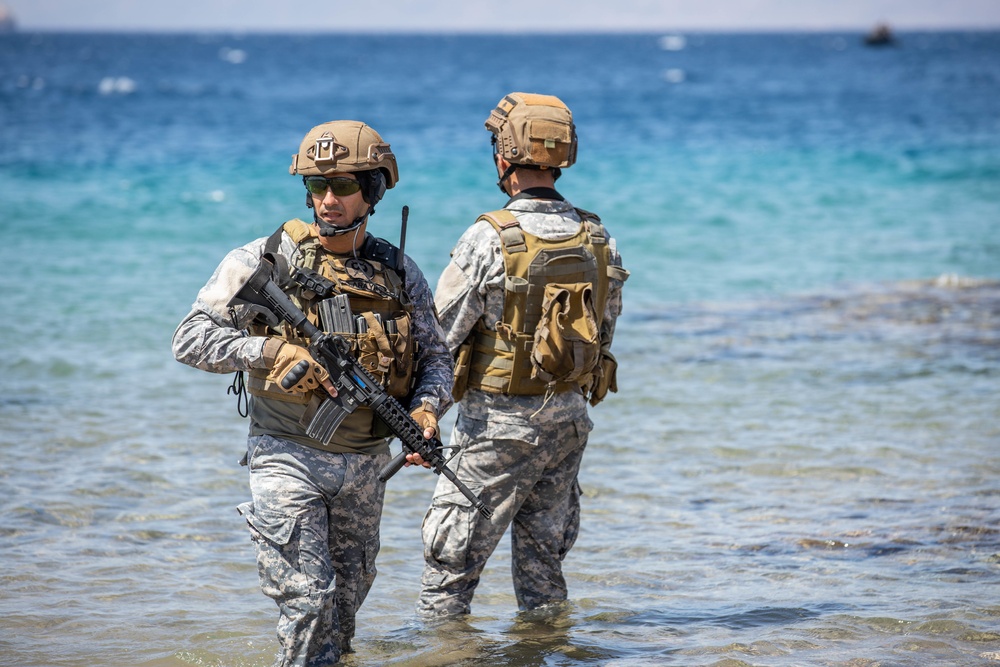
[425,416]
[295,371]
[427,419]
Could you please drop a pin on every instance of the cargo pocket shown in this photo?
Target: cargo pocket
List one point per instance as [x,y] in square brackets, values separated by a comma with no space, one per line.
[368,571]
[277,552]
[448,529]
[571,528]
[370,554]
[272,526]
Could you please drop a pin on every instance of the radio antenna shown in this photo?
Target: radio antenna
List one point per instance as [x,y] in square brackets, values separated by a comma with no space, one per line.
[402,240]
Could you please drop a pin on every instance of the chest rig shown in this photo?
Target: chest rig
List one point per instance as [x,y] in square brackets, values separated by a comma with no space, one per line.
[501,361]
[373,308]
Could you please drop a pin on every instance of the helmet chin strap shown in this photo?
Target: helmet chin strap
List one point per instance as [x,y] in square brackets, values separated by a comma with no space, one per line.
[503,178]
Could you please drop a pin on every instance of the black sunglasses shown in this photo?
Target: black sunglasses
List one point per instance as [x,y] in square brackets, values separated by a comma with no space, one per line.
[341,185]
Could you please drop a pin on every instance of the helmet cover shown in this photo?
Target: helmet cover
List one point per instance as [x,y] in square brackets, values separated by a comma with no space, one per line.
[344,146]
[533,130]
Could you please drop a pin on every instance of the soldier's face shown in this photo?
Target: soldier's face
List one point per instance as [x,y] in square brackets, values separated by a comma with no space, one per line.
[338,210]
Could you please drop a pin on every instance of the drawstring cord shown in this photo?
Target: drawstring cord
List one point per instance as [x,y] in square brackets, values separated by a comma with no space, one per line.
[238,387]
[550,391]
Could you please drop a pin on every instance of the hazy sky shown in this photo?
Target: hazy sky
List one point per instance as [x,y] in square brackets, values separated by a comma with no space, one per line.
[508,15]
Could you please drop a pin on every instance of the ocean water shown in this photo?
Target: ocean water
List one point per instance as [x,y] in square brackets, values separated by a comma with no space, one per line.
[801,466]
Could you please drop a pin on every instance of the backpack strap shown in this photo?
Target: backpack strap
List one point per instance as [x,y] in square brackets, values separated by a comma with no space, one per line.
[594,227]
[509,229]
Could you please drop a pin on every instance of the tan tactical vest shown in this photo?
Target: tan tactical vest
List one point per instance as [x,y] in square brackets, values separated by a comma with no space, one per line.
[374,289]
[500,360]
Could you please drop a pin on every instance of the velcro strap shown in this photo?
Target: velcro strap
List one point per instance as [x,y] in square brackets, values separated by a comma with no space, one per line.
[498,362]
[618,273]
[516,284]
[508,228]
[513,239]
[489,382]
[566,268]
[488,342]
[596,231]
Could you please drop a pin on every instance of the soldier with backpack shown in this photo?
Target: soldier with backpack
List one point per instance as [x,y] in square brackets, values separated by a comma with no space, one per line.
[528,303]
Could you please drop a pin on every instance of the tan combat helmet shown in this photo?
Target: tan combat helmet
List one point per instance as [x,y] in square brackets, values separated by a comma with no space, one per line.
[533,130]
[344,145]
[347,146]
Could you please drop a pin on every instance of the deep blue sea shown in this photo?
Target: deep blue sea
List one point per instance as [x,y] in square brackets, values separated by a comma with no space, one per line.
[802,466]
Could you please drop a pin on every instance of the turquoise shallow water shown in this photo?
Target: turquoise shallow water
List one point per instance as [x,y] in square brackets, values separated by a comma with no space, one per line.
[800,467]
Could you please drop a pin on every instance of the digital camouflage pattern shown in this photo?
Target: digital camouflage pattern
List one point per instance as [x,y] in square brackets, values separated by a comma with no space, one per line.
[520,453]
[314,521]
[529,476]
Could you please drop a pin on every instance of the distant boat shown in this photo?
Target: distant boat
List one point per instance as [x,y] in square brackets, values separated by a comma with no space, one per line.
[880,35]
[7,22]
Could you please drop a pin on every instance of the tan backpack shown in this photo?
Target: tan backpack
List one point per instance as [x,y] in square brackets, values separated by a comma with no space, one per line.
[548,339]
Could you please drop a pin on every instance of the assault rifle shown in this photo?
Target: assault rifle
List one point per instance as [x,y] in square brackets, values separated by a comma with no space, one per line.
[355,385]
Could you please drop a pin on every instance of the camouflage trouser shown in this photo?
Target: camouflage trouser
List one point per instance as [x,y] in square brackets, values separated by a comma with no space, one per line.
[314,520]
[529,477]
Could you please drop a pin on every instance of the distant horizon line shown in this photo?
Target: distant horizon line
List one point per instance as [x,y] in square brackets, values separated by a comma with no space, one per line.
[494,31]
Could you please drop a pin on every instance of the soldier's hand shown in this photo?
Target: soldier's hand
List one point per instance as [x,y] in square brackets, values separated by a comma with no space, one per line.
[296,372]
[416,460]
[427,419]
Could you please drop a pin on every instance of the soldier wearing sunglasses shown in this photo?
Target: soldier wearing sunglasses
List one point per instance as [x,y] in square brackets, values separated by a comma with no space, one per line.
[315,506]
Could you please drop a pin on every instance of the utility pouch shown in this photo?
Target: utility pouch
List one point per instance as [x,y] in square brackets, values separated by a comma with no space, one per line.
[567,346]
[605,378]
[463,362]
[386,351]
